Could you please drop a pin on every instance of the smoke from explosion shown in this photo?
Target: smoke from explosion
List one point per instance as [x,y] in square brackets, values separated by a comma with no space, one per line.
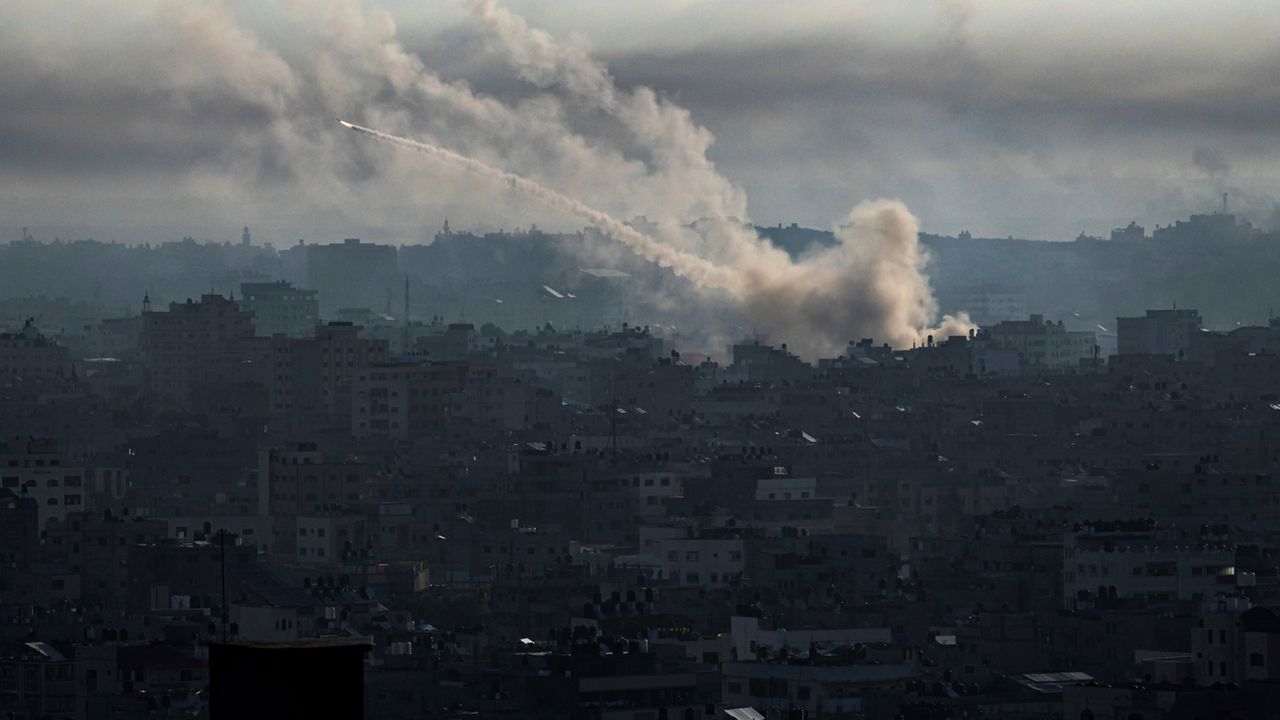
[256,100]
[870,284]
[696,269]
[870,281]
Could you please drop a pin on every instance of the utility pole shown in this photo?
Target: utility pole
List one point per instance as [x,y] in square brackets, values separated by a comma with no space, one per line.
[613,430]
[222,534]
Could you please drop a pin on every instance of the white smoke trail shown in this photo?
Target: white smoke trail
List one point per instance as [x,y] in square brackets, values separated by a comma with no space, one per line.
[870,284]
[696,269]
[293,171]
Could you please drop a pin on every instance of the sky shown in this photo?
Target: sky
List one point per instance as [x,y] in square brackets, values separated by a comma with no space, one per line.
[148,120]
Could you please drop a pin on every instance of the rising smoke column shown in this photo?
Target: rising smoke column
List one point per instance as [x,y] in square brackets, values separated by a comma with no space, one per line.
[248,119]
[701,272]
[870,284]
[676,144]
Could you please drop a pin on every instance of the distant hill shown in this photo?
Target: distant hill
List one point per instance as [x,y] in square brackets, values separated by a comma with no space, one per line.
[796,240]
[1213,263]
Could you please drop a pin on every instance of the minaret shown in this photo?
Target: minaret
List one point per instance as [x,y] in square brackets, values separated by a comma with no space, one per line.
[146,302]
[244,237]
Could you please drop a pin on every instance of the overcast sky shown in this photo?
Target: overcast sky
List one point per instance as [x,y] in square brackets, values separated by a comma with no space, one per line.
[154,119]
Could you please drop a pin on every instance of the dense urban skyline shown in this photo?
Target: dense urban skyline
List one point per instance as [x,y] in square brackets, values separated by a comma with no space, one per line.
[680,360]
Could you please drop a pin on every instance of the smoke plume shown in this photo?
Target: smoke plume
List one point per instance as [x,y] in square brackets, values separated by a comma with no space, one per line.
[228,109]
[870,283]
[695,269]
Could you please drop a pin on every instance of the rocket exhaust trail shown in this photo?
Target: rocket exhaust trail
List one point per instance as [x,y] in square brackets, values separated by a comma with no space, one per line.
[696,269]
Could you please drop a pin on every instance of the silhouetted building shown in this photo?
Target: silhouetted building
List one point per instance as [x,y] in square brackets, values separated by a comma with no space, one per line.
[36,468]
[314,374]
[352,274]
[19,531]
[279,308]
[398,401]
[194,344]
[1129,233]
[1159,332]
[30,357]
[300,679]
[1039,343]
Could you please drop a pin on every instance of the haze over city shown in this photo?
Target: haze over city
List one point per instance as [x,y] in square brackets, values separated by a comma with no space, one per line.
[696,359]
[155,120]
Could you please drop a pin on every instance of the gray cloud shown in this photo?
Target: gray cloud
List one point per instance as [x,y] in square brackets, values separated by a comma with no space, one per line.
[978,115]
[1211,161]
